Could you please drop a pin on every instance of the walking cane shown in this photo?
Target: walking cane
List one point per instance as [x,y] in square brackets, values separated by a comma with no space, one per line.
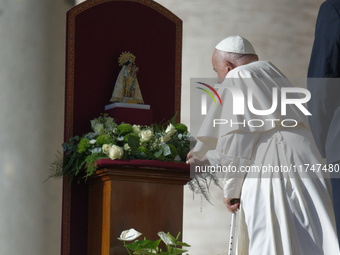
[232,233]
[232,228]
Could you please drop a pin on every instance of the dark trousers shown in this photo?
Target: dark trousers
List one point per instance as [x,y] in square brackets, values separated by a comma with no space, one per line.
[336,200]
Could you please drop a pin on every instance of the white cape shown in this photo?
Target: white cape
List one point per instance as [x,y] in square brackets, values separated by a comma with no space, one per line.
[283,212]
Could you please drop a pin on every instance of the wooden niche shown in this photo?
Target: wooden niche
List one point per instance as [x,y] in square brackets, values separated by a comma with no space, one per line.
[145,195]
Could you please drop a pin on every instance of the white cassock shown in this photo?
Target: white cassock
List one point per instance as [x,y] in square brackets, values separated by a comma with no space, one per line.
[284,210]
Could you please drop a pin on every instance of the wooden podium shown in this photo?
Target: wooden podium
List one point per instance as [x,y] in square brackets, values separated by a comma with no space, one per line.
[147,197]
[143,195]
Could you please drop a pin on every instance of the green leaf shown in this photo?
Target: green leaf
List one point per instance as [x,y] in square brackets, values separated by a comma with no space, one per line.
[83,145]
[144,252]
[158,153]
[91,163]
[133,142]
[154,244]
[143,153]
[183,152]
[143,244]
[179,233]
[166,150]
[134,245]
[183,244]
[177,251]
[173,239]
[164,253]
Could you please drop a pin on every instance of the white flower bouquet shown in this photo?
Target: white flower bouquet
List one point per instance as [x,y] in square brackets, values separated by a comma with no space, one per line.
[169,142]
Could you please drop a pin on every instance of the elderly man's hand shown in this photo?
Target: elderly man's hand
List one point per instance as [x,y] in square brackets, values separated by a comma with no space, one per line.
[192,159]
[232,204]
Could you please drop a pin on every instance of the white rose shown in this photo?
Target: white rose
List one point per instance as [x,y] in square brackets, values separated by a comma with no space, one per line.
[109,121]
[116,152]
[93,141]
[145,135]
[94,123]
[120,138]
[170,129]
[106,148]
[165,138]
[99,129]
[126,147]
[136,129]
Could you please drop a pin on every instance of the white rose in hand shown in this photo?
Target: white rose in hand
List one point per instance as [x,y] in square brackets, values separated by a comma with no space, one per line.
[116,152]
[145,135]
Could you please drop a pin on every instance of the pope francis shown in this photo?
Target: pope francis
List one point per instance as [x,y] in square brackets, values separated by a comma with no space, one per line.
[285,206]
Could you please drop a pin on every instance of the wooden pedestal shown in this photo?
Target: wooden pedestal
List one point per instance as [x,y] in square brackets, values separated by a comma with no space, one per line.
[146,199]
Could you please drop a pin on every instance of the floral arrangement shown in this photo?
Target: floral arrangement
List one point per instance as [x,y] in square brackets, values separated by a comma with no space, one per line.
[148,247]
[169,142]
[124,141]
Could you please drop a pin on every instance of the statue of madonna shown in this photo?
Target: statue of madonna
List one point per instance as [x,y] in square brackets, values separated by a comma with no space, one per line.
[127,89]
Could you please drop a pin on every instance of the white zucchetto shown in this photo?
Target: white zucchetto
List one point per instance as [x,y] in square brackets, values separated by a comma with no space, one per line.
[236,44]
